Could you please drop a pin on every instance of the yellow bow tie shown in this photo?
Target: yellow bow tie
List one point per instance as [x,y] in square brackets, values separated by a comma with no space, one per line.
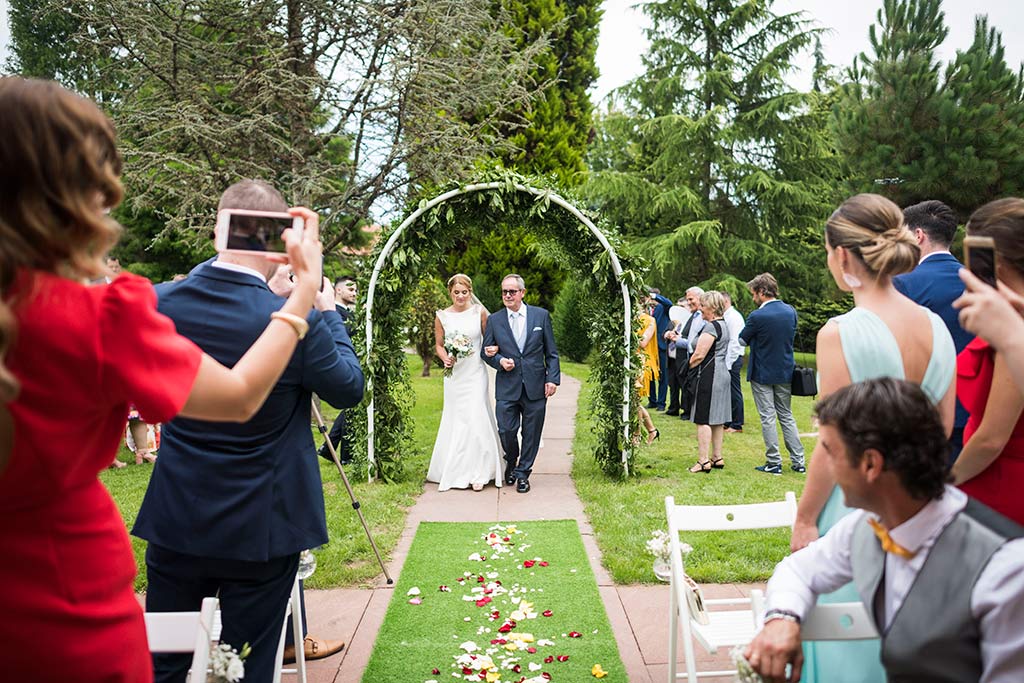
[889,545]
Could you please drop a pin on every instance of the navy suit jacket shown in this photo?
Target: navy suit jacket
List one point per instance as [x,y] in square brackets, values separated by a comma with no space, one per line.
[246,491]
[662,322]
[769,333]
[936,284]
[536,365]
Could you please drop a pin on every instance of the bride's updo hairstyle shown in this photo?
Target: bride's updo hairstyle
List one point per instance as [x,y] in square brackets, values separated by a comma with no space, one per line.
[460,279]
[871,227]
[59,166]
[1003,221]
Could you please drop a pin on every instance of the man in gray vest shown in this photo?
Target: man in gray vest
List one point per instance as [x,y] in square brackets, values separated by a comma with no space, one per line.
[940,574]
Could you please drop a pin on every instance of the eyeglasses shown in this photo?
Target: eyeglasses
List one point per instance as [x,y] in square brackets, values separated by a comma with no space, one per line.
[510,292]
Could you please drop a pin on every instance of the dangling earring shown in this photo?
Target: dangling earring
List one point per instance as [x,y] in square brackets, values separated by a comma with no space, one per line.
[852,280]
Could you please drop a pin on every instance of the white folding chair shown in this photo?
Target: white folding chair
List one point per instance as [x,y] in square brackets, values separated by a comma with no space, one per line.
[184,632]
[725,628]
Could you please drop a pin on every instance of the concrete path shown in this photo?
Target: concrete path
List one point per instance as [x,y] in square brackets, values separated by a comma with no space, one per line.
[638,614]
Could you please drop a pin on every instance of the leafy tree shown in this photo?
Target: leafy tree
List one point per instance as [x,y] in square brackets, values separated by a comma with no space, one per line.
[713,163]
[572,318]
[912,132]
[430,296]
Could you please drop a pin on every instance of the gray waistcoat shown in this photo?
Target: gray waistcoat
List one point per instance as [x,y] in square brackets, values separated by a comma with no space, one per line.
[933,638]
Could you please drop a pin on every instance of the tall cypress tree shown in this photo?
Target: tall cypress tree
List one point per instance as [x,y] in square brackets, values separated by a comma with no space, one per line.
[713,157]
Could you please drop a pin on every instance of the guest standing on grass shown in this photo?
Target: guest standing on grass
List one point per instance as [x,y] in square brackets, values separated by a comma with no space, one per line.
[85,353]
[659,307]
[885,335]
[647,330]
[769,332]
[734,361]
[711,407]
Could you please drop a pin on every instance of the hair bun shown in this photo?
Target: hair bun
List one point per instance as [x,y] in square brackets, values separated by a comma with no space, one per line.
[893,252]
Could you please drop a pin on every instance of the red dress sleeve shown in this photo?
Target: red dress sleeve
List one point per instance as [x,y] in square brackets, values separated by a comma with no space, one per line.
[144,360]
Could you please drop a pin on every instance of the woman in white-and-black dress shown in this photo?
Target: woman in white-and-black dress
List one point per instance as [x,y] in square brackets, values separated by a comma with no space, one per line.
[712,402]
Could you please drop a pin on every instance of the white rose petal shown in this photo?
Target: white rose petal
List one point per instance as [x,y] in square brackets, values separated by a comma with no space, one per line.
[413,591]
[536,667]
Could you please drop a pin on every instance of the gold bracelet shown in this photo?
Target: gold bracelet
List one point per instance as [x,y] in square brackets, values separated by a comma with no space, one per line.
[297,323]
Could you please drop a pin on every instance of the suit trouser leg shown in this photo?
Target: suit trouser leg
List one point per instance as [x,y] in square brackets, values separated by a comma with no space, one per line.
[736,389]
[533,425]
[783,399]
[338,437]
[673,387]
[764,401]
[509,415]
[663,381]
[253,598]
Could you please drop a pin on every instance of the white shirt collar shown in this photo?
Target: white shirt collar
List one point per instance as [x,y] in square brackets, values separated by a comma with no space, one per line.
[934,253]
[521,311]
[765,303]
[927,524]
[245,270]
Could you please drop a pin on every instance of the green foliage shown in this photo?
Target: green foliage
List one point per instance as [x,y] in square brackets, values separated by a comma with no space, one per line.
[572,313]
[812,314]
[710,162]
[559,123]
[420,251]
[429,297]
[910,132]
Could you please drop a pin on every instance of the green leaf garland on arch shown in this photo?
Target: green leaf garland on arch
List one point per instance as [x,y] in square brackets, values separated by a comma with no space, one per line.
[418,253]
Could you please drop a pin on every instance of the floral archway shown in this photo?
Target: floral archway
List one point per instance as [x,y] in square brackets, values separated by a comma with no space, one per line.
[415,247]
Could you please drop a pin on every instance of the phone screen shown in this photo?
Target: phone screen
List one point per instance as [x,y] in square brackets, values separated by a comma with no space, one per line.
[257,233]
[981,260]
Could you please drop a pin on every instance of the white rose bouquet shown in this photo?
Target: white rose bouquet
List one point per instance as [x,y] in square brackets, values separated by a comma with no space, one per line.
[226,663]
[458,346]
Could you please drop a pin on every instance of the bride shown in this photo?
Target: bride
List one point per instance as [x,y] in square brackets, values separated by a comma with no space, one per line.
[467,451]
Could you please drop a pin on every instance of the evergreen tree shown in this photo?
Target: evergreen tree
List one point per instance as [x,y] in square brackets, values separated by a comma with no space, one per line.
[712,155]
[908,131]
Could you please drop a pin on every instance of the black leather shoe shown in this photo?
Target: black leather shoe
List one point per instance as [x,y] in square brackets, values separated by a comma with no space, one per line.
[523,486]
[672,413]
[510,478]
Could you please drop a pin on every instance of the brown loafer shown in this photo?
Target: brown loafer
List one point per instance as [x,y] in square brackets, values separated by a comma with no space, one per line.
[314,648]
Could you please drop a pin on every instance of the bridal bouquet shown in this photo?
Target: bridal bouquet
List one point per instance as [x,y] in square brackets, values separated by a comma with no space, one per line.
[226,663]
[458,346]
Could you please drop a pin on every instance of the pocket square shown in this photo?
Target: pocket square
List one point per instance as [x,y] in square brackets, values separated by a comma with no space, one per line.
[537,328]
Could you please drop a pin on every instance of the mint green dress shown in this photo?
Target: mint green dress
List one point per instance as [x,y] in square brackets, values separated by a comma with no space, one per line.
[871,351]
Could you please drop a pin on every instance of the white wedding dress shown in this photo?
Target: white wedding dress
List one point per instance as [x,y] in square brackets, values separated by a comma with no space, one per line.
[467,450]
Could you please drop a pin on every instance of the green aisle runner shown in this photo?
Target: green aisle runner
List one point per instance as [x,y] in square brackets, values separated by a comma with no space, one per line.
[509,602]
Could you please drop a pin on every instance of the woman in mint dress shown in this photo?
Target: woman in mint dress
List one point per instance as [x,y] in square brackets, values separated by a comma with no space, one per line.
[885,335]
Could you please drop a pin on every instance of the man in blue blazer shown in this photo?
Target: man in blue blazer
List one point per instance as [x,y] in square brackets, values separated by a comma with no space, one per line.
[519,343]
[659,311]
[769,332]
[935,284]
[230,506]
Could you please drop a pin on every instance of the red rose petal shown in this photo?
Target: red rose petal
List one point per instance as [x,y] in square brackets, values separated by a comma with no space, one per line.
[549,659]
[482,601]
[546,675]
[562,658]
[460,579]
[517,669]
[435,672]
[575,634]
[466,671]
[543,563]
[532,650]
[479,579]
[527,563]
[506,539]
[546,613]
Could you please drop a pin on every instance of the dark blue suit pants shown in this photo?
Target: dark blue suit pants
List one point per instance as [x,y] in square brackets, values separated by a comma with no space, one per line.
[253,598]
[736,388]
[510,415]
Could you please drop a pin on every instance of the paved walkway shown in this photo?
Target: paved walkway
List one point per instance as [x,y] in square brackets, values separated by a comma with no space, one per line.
[638,614]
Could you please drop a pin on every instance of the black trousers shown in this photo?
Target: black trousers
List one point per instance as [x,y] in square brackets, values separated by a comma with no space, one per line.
[736,389]
[253,598]
[339,437]
[674,386]
[509,415]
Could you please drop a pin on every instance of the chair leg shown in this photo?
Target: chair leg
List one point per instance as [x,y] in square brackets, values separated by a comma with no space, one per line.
[673,635]
[691,662]
[300,645]
[280,645]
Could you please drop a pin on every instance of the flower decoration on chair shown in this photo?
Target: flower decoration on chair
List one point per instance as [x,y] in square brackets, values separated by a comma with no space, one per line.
[744,672]
[226,663]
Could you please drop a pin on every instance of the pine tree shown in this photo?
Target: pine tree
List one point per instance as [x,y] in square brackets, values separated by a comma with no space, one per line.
[712,155]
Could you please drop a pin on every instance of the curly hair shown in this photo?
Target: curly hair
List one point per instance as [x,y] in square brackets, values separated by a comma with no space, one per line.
[59,167]
[894,417]
[872,227]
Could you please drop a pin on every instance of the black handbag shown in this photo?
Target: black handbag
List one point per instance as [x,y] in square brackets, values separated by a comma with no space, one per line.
[804,382]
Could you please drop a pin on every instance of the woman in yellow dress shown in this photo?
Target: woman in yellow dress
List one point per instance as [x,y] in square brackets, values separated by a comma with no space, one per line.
[650,372]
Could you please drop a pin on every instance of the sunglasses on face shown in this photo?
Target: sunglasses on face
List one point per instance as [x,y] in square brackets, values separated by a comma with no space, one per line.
[510,292]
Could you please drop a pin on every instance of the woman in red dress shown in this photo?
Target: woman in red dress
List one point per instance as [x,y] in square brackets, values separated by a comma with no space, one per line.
[991,465]
[84,353]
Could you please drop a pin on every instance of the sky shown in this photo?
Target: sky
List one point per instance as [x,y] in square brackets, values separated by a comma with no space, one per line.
[622,42]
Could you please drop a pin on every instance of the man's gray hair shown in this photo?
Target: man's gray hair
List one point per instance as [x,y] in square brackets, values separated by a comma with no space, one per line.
[253,195]
[698,290]
[518,278]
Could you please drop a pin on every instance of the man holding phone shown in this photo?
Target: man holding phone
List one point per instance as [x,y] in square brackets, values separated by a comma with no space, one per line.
[935,284]
[230,506]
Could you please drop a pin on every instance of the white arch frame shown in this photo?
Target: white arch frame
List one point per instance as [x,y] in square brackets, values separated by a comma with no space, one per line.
[389,247]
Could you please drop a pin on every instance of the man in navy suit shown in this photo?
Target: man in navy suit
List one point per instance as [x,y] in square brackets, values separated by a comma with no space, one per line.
[659,311]
[519,343]
[769,332]
[230,506]
[935,284]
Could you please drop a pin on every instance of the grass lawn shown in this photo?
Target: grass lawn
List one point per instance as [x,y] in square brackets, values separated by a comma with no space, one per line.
[417,640]
[624,514]
[347,560]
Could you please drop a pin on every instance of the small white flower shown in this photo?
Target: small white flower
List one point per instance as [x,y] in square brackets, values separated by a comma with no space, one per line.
[413,591]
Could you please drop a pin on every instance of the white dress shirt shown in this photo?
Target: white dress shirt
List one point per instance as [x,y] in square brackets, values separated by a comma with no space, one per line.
[734,321]
[997,600]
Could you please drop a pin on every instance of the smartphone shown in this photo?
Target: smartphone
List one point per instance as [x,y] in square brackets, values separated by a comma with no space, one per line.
[980,258]
[254,232]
